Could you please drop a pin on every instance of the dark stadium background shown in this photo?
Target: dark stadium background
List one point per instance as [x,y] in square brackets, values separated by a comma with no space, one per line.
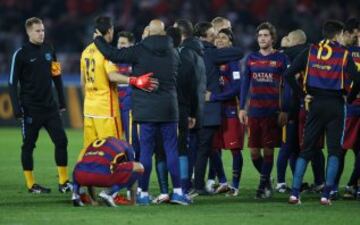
[68,22]
[68,25]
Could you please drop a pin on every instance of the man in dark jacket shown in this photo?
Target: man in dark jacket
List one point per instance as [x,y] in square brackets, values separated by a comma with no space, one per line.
[36,69]
[293,44]
[191,91]
[192,73]
[191,86]
[193,67]
[213,58]
[153,110]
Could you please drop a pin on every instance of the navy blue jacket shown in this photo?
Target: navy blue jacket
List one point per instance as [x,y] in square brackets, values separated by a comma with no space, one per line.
[213,58]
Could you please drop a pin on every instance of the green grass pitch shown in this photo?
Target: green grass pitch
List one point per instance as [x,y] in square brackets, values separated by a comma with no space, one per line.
[18,207]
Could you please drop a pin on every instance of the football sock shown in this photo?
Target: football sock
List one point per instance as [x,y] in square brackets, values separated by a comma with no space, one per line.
[63,174]
[184,173]
[331,172]
[29,178]
[300,169]
[257,162]
[341,167]
[281,163]
[266,170]
[237,167]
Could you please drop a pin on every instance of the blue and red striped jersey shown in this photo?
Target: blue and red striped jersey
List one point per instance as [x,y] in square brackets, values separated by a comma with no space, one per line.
[230,81]
[325,66]
[103,153]
[263,75]
[354,108]
[124,90]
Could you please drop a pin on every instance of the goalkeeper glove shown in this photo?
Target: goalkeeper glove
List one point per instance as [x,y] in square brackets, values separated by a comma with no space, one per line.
[144,82]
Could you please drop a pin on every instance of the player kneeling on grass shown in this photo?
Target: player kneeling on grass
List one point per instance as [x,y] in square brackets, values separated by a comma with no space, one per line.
[107,163]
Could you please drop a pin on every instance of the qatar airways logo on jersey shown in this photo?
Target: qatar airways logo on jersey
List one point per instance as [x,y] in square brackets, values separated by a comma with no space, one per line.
[263,77]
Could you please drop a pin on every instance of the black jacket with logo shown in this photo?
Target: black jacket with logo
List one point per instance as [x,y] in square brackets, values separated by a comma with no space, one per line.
[31,67]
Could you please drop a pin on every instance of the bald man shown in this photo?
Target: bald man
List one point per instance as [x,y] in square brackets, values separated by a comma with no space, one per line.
[296,37]
[293,44]
[156,27]
[153,111]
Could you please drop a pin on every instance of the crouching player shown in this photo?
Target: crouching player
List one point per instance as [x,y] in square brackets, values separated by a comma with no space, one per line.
[107,163]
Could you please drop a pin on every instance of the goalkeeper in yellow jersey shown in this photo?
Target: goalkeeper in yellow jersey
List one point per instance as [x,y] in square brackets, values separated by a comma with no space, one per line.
[100,78]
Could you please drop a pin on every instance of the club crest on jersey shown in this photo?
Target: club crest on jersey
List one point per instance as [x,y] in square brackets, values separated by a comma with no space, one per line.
[272,63]
[48,56]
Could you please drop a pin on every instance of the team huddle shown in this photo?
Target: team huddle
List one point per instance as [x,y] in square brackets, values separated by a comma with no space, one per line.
[182,95]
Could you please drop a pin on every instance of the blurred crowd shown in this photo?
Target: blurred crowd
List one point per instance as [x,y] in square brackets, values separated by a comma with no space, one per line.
[68,22]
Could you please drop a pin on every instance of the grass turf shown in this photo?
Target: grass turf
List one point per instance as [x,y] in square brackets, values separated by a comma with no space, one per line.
[18,207]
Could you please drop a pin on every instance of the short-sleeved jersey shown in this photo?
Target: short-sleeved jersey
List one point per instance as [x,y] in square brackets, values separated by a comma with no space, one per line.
[101,96]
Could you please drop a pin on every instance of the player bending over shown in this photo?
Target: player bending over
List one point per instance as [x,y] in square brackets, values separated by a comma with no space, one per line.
[107,163]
